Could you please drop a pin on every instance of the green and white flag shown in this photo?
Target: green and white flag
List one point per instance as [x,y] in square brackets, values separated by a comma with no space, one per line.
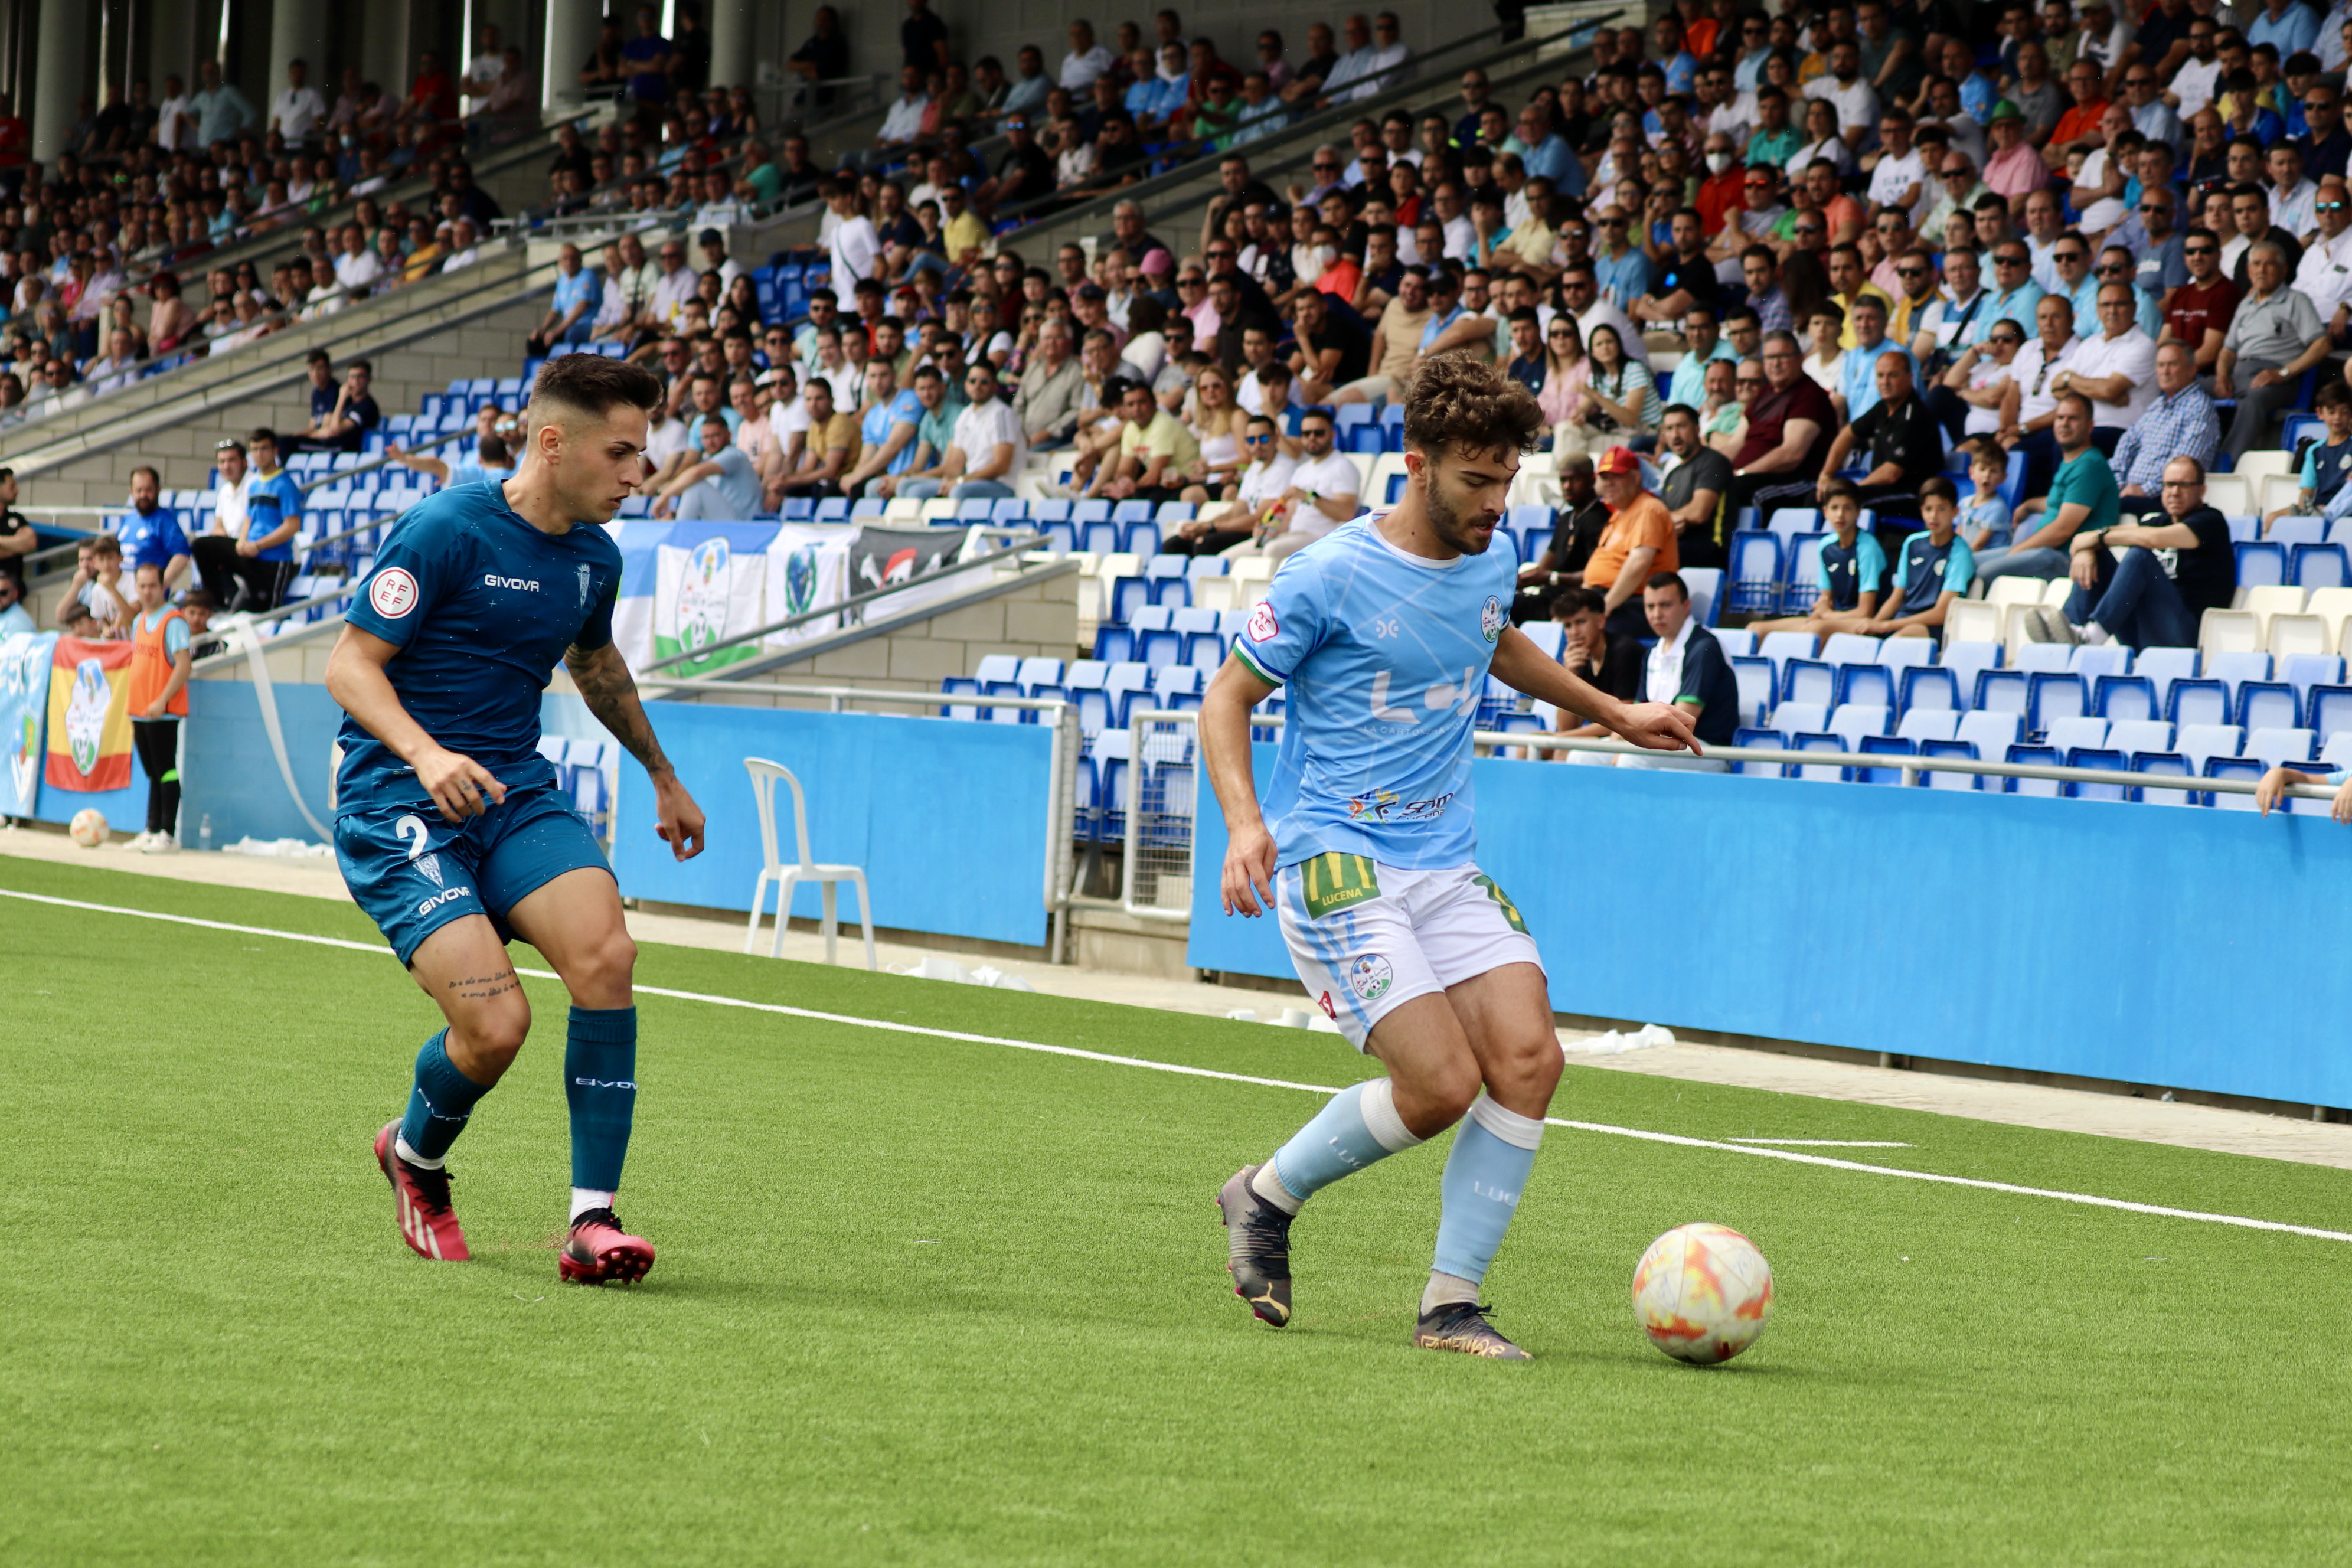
[808,569]
[704,592]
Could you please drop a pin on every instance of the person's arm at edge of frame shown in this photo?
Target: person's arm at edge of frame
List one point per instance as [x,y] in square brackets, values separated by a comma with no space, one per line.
[2272,788]
[610,691]
[1654,726]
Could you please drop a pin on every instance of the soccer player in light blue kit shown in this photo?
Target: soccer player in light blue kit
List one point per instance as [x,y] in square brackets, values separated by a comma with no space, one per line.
[448,824]
[1383,633]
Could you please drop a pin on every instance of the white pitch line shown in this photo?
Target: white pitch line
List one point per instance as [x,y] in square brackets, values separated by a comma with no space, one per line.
[1821,1143]
[1824,1161]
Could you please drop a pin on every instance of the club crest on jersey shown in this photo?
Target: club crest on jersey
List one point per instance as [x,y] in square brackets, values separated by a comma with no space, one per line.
[1262,623]
[392,594]
[1491,618]
[1369,976]
[585,584]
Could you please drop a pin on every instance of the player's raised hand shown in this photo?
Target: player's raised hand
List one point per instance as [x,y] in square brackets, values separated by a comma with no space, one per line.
[678,819]
[1249,871]
[460,786]
[1661,727]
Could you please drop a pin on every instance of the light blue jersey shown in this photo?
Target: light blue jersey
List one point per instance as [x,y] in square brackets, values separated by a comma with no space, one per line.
[1384,656]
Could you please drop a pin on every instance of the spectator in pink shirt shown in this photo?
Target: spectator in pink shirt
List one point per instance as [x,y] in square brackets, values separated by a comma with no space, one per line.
[2013,168]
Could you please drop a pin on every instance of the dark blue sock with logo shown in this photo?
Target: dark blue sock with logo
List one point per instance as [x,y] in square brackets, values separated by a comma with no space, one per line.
[600,1081]
[438,1105]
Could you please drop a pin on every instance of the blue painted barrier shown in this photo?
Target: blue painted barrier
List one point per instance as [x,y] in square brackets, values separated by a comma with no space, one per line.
[2198,949]
[230,774]
[948,819]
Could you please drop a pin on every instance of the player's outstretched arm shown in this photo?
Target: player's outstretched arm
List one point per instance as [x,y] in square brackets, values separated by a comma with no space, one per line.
[1225,728]
[611,692]
[1656,726]
[356,680]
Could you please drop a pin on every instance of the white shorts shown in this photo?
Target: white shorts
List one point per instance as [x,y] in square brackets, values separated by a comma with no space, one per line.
[1366,938]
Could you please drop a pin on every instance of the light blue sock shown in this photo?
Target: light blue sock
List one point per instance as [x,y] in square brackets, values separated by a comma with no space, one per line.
[1359,1126]
[1485,1175]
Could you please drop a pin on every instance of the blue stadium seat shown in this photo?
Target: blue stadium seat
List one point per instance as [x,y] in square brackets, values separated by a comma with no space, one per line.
[2000,691]
[2328,710]
[1792,520]
[1966,660]
[1817,740]
[2097,757]
[2043,756]
[1090,512]
[1205,566]
[1058,536]
[833,509]
[1172,512]
[1885,746]
[1097,537]
[1010,509]
[798,508]
[1927,687]
[1129,595]
[1138,536]
[1113,644]
[2261,564]
[1929,724]
[1159,647]
[1172,591]
[1762,740]
[2245,768]
[1049,511]
[864,507]
[1120,687]
[2320,566]
[1903,653]
[1801,586]
[2266,705]
[959,685]
[1131,511]
[1807,680]
[973,511]
[1755,678]
[2163,666]
[1705,586]
[2171,762]
[2049,697]
[1039,671]
[2294,530]
[1755,574]
[2237,667]
[1946,778]
[2199,702]
[1867,683]
[2124,697]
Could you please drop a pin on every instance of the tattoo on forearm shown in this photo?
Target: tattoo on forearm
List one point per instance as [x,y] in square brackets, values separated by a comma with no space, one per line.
[480,987]
[611,693]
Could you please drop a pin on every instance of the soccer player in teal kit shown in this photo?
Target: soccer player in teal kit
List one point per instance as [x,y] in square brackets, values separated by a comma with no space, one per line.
[1383,633]
[448,824]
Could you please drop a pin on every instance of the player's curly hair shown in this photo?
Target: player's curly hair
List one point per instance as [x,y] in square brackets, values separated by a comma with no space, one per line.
[1454,401]
[591,384]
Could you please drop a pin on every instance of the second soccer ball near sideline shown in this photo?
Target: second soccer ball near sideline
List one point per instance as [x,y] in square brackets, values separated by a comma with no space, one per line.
[1703,1293]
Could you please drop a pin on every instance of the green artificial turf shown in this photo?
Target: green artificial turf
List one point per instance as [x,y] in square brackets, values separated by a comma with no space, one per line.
[926,1300]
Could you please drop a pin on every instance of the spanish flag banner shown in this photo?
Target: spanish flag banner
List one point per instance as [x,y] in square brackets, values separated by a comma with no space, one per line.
[89,716]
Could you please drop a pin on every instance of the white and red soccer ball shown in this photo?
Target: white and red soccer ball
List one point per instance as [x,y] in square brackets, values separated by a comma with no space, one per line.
[87,827]
[1703,1293]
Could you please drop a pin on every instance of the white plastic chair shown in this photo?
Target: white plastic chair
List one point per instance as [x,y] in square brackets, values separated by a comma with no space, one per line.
[764,774]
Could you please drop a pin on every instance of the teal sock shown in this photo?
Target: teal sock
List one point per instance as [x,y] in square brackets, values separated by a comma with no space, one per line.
[440,1103]
[1485,1175]
[600,1081]
[1358,1126]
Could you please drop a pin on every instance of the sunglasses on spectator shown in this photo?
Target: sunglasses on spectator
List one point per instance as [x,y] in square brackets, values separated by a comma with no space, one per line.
[2200,250]
[2111,269]
[2328,206]
[1911,272]
[2009,338]
[2070,256]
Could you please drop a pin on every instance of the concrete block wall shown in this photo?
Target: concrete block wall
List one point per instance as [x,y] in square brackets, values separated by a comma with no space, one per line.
[488,345]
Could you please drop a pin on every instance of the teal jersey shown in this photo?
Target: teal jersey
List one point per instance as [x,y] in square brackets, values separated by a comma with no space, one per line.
[1384,656]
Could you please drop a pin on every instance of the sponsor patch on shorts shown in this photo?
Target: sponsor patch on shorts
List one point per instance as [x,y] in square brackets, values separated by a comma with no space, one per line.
[1333,881]
[1510,909]
[1369,976]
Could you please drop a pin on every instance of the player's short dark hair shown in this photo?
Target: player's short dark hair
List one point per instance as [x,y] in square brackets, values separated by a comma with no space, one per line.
[490,448]
[1669,580]
[2331,394]
[260,434]
[1684,409]
[1940,486]
[1845,487]
[592,385]
[151,473]
[1455,401]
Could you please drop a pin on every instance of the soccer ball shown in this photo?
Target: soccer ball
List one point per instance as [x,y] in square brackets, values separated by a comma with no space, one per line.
[1702,1293]
[87,827]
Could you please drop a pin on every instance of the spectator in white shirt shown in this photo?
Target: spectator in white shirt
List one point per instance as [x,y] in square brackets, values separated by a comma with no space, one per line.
[1900,175]
[984,451]
[856,248]
[357,268]
[462,253]
[905,121]
[2115,368]
[1086,60]
[1266,481]
[1388,51]
[298,109]
[1322,494]
[1843,86]
[2291,195]
[1355,61]
[2325,275]
[175,118]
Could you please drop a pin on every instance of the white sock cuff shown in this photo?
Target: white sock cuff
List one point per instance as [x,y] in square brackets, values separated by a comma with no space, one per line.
[1519,1132]
[1380,1118]
[400,1147]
